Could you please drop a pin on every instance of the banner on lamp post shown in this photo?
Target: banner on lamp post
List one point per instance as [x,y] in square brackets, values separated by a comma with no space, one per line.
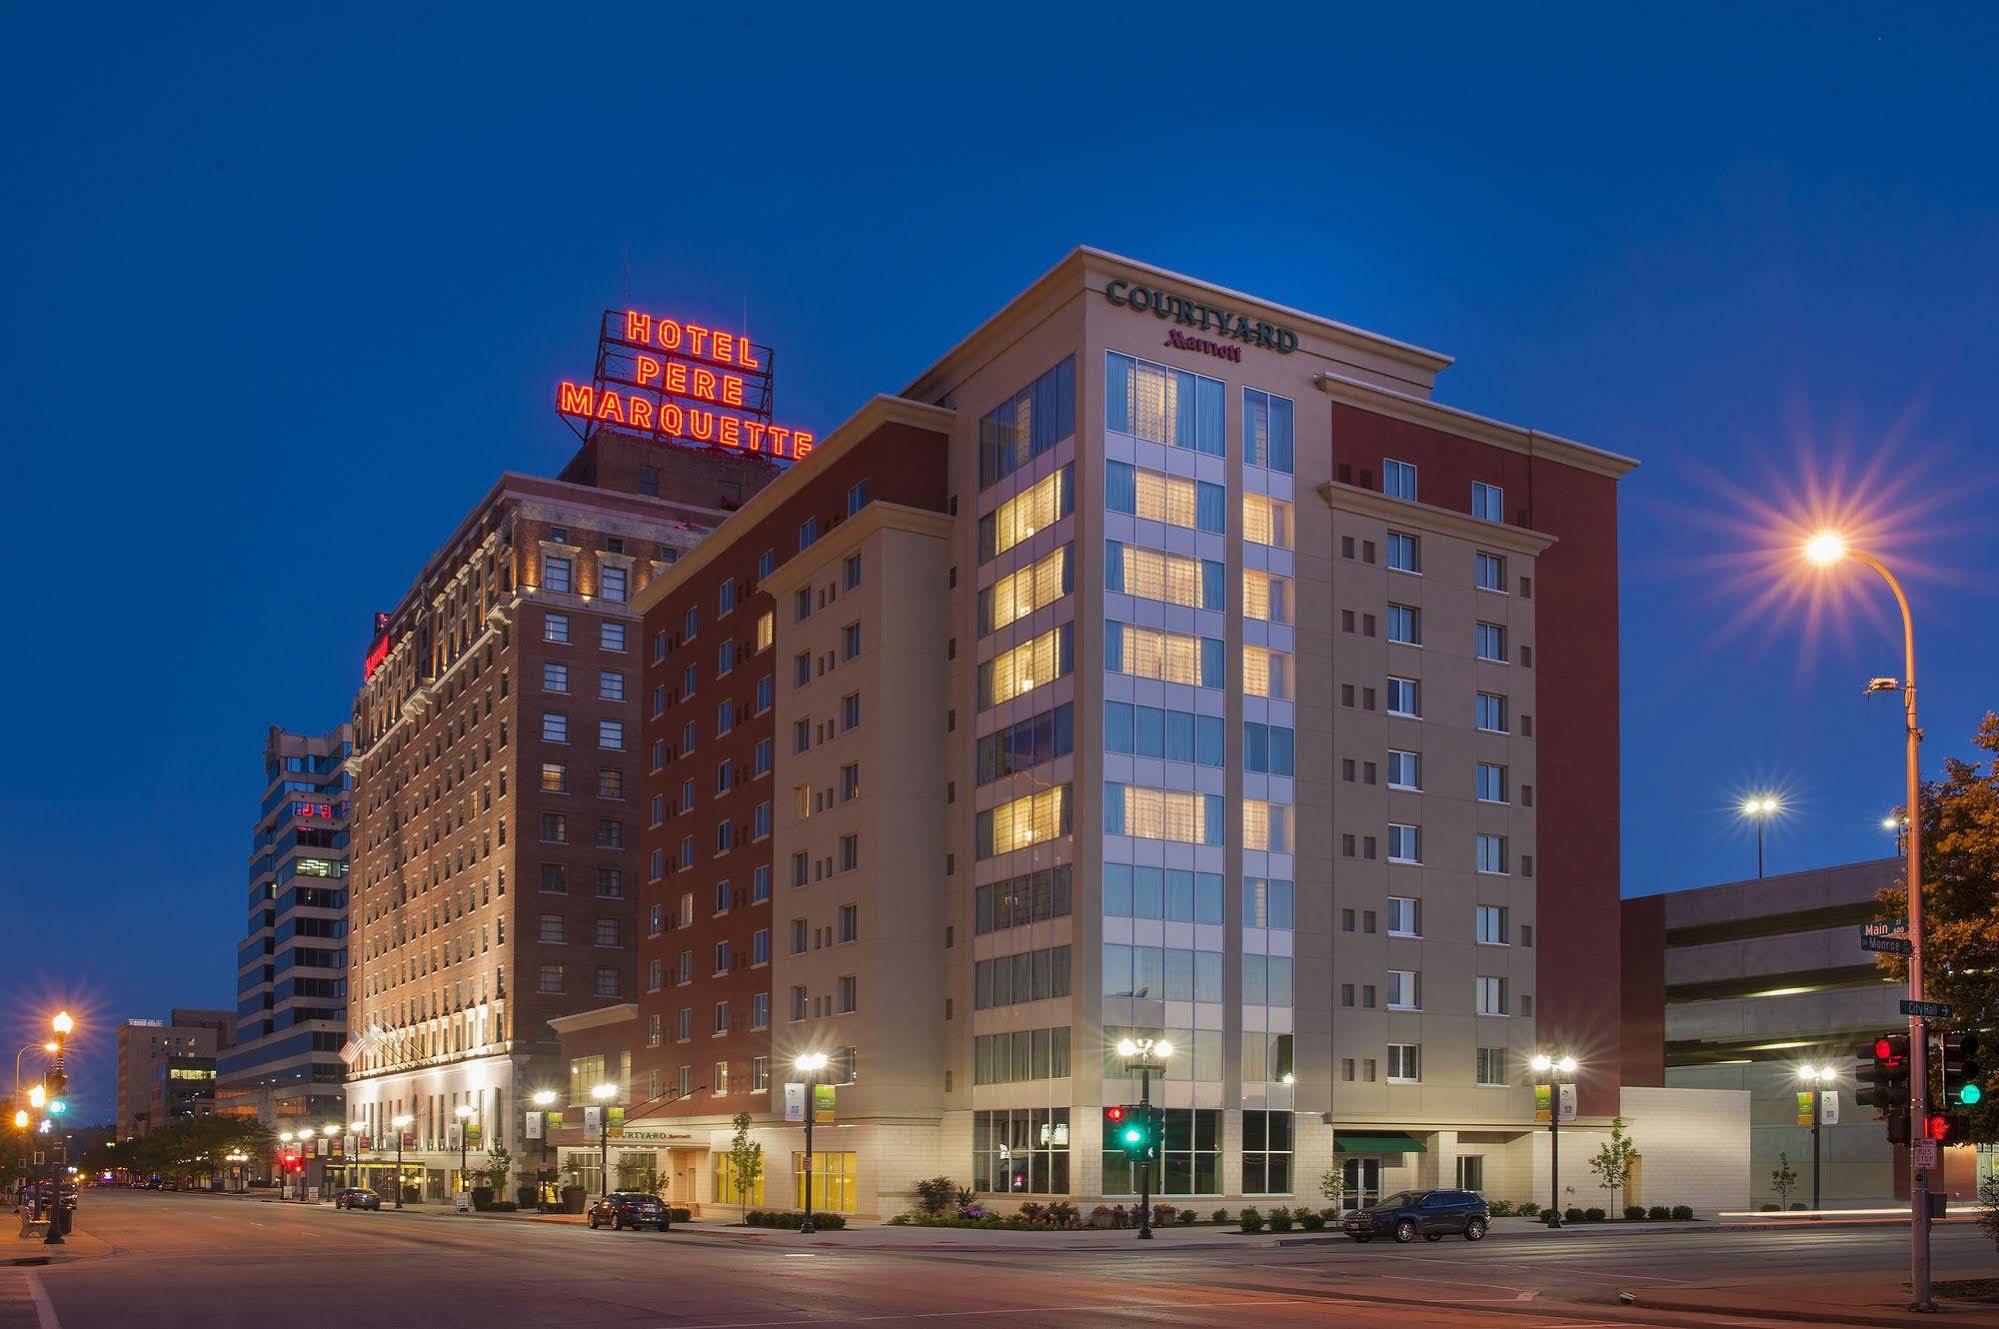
[794,1102]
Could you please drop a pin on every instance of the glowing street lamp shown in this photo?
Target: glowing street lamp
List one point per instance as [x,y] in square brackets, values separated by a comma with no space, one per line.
[1559,1070]
[1826,549]
[809,1064]
[1760,809]
[604,1093]
[464,1114]
[400,1123]
[1817,1081]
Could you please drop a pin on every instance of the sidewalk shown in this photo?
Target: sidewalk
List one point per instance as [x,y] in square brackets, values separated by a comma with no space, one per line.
[76,1245]
[1829,1299]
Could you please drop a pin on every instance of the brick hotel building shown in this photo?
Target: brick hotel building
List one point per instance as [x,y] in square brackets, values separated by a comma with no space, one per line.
[494,786]
[1161,659]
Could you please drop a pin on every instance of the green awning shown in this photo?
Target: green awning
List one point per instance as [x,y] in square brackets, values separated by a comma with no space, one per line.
[1386,1142]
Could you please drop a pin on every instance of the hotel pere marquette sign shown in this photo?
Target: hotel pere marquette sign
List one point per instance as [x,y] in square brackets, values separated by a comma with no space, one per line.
[682,383]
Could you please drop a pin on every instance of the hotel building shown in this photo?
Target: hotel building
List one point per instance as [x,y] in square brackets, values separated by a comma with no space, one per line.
[1162,659]
[494,781]
[291,966]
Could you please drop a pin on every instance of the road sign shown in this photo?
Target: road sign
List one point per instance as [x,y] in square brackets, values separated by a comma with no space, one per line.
[1883,928]
[1929,1010]
[1873,941]
[1924,1154]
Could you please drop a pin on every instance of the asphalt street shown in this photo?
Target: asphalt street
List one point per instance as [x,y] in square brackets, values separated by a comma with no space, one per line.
[184,1260]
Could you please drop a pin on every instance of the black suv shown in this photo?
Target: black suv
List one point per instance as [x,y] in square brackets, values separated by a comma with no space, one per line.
[1433,1215]
[629,1209]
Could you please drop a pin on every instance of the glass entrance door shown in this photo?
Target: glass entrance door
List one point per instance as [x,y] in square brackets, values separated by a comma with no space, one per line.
[1363,1177]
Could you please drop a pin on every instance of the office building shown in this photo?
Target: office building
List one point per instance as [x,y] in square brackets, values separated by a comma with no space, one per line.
[291,967]
[167,1068]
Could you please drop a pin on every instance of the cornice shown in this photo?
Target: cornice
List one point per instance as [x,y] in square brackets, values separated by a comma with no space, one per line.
[1465,424]
[1443,521]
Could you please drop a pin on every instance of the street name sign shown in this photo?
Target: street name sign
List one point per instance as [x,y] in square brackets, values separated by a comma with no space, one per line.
[1929,1010]
[1876,941]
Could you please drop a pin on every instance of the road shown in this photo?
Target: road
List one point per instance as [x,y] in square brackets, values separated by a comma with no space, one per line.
[185,1260]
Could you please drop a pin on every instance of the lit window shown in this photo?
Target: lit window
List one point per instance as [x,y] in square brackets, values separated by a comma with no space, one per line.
[1025,590]
[1154,575]
[1163,405]
[1266,673]
[1266,521]
[1172,657]
[1162,814]
[766,630]
[1024,821]
[1266,826]
[1265,596]
[1031,664]
[1036,508]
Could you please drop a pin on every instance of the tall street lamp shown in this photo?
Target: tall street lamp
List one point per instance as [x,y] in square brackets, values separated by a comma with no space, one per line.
[543,1099]
[328,1132]
[55,1081]
[1560,1071]
[1145,1055]
[809,1064]
[285,1139]
[400,1123]
[1815,1079]
[464,1114]
[1760,809]
[604,1093]
[1826,549]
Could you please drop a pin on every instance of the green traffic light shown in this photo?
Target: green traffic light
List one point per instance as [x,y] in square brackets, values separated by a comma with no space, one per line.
[1970,1094]
[57,1107]
[1133,1135]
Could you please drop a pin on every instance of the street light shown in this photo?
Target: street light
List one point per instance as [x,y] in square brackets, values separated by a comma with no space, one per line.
[464,1114]
[1145,1055]
[1825,549]
[1559,1070]
[1816,1078]
[543,1099]
[400,1123]
[1760,809]
[810,1064]
[604,1093]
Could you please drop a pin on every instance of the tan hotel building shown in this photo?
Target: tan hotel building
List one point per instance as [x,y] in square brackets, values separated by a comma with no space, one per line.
[1161,659]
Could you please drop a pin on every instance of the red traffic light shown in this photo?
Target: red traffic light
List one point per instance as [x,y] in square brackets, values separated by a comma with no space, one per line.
[1884,1050]
[1114,1115]
[1937,1127]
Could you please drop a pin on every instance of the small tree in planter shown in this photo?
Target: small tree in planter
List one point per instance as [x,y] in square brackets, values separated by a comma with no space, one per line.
[1783,1180]
[1334,1187]
[746,1159]
[499,1163]
[1612,1163]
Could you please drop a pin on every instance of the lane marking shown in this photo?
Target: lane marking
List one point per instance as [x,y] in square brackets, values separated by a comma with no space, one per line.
[45,1311]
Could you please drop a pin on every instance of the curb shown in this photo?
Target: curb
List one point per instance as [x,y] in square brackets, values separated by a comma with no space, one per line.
[1911,1318]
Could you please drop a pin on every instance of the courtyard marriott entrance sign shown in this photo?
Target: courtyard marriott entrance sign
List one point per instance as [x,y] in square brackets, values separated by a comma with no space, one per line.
[1205,317]
[683,383]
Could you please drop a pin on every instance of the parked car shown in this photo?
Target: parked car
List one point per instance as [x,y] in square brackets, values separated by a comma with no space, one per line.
[1432,1215]
[632,1209]
[356,1197]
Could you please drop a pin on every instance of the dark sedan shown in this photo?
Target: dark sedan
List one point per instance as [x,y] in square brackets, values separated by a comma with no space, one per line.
[1432,1215]
[356,1197]
[628,1209]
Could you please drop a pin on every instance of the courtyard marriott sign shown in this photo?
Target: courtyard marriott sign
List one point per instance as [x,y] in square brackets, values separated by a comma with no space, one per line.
[1205,317]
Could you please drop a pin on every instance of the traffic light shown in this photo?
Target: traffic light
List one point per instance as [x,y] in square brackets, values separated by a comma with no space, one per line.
[1133,1130]
[1962,1075]
[58,1106]
[1947,1128]
[1883,1073]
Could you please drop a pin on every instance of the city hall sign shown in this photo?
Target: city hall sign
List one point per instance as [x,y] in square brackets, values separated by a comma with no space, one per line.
[1205,317]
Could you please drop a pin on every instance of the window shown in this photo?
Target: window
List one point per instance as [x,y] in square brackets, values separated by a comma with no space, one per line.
[1265,748]
[850,641]
[555,628]
[1172,499]
[554,778]
[1489,642]
[1405,624]
[849,994]
[801,604]
[1266,826]
[1028,424]
[1490,1070]
[551,978]
[1036,508]
[1266,903]
[552,930]
[554,727]
[1266,596]
[760,1011]
[1405,843]
[1030,819]
[1010,980]
[1266,521]
[1266,1152]
[850,923]
[1491,783]
[1036,897]
[1152,574]
[800,1001]
[610,883]
[760,946]
[850,711]
[1162,814]
[1491,573]
[1014,672]
[1162,405]
[610,833]
[721,1017]
[1405,1063]
[853,571]
[721,957]
[1398,480]
[1190,1161]
[1405,553]
[850,852]
[1171,657]
[760,822]
[1006,1058]
[1405,698]
[554,828]
[608,933]
[725,599]
[808,532]
[1405,770]
[766,630]
[611,685]
[1488,502]
[766,694]
[554,677]
[766,563]
[1491,925]
[1491,995]
[1491,712]
[1266,673]
[1019,593]
[1405,916]
[850,782]
[554,879]
[615,584]
[557,574]
[1266,431]
[1404,990]
[611,735]
[1492,854]
[688,677]
[725,658]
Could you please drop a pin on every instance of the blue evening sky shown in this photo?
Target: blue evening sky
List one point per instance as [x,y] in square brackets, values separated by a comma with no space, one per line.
[286,287]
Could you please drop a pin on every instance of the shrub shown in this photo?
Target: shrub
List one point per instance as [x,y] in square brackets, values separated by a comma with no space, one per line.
[1311,1221]
[1331,1213]
[1162,1214]
[501,1207]
[1033,1211]
[1594,1214]
[974,1211]
[1219,1216]
[1064,1214]
[1658,1213]
[1634,1213]
[936,1194]
[1766,1208]
[1185,1217]
[1280,1219]
[1572,1215]
[676,1214]
[1797,1205]
[900,1220]
[1251,1220]
[1500,1209]
[1527,1209]
[783,1219]
[1683,1213]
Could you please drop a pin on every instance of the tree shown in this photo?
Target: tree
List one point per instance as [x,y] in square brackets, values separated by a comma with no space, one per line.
[746,1159]
[499,1166]
[1959,825]
[1334,1187]
[1612,1163]
[1783,1180]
